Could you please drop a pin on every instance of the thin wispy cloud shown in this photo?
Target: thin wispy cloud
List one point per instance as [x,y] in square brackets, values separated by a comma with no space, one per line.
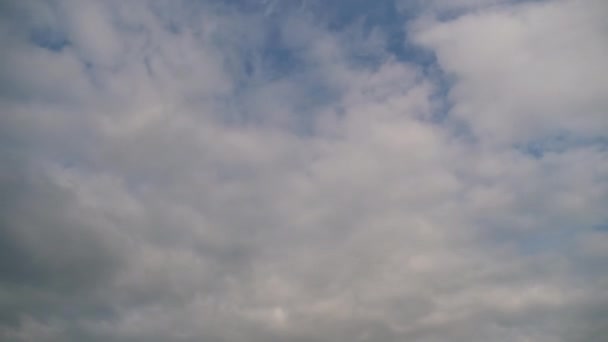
[303,171]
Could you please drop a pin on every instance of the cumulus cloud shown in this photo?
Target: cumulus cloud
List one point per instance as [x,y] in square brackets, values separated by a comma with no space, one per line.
[286,171]
[545,60]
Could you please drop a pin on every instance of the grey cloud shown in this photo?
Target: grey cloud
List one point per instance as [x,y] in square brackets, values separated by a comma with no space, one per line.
[157,188]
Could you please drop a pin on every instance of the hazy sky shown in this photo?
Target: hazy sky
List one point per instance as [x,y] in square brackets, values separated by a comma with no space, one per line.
[304,171]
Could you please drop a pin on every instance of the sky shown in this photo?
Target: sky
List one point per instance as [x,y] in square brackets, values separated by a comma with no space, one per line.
[304,170]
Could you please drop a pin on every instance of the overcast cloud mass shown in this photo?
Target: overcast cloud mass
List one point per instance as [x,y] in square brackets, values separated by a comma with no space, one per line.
[306,170]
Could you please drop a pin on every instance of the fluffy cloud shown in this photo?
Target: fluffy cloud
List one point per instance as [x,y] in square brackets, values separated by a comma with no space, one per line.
[261,171]
[527,73]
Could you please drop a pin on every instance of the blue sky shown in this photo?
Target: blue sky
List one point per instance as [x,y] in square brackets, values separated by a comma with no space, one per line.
[272,170]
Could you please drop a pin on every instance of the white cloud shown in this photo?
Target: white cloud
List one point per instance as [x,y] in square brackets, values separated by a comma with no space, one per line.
[526,72]
[179,187]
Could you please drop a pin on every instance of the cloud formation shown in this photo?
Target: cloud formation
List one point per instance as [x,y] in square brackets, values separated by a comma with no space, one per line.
[303,171]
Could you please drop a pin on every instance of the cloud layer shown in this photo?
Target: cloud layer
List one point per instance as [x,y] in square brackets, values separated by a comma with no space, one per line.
[303,171]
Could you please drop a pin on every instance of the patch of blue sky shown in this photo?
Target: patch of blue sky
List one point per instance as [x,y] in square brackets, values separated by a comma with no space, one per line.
[381,15]
[178,16]
[385,16]
[602,227]
[35,23]
[533,241]
[49,38]
[558,239]
[260,60]
[560,143]
[339,16]
[276,57]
